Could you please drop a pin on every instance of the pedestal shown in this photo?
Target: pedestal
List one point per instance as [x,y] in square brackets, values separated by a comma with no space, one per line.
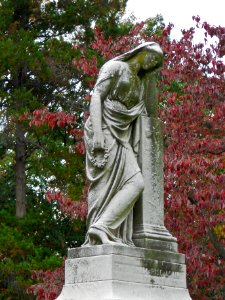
[151,271]
[109,272]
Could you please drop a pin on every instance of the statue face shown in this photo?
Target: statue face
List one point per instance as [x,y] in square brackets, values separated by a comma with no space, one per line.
[150,60]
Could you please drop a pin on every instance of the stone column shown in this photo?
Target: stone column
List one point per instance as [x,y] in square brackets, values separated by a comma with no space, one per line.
[149,229]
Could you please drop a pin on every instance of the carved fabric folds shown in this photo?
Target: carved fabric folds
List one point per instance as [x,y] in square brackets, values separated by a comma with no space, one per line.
[120,128]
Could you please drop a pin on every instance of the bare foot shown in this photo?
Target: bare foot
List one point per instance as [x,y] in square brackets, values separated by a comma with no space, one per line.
[130,244]
[96,235]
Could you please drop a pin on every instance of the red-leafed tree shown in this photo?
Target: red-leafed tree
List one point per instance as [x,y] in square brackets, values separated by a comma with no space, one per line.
[193,111]
[192,108]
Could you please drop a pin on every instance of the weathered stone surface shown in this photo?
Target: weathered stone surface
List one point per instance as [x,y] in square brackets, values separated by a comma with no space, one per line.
[125,88]
[156,243]
[149,229]
[126,251]
[121,290]
[150,209]
[124,273]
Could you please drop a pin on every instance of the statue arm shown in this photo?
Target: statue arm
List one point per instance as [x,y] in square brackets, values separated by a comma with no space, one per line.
[100,93]
[150,94]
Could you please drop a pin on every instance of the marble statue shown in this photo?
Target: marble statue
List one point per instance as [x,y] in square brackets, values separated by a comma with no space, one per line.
[124,164]
[124,90]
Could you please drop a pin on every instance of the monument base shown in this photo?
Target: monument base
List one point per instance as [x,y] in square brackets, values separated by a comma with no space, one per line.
[154,237]
[113,272]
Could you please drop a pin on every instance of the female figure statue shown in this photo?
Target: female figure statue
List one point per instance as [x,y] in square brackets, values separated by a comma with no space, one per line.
[121,93]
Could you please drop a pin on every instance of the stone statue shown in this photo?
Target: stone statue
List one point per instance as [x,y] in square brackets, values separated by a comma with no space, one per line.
[124,90]
[123,140]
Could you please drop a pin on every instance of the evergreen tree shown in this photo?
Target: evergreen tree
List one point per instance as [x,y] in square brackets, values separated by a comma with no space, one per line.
[36,68]
[37,73]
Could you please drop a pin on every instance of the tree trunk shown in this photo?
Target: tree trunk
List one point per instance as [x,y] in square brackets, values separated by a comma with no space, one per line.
[20,173]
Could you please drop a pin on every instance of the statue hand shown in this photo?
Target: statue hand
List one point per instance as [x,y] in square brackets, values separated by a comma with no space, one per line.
[98,141]
[100,152]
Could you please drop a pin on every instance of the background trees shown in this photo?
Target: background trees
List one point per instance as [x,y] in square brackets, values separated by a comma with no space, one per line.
[36,67]
[194,112]
[191,98]
[46,80]
[36,73]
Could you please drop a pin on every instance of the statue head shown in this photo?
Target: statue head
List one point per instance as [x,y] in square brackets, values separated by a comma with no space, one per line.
[149,55]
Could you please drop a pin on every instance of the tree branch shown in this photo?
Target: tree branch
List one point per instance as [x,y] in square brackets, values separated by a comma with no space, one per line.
[217,151]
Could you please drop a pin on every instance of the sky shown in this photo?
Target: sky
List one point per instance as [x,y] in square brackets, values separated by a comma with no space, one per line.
[179,12]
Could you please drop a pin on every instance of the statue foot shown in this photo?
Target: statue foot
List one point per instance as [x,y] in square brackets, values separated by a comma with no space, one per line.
[130,244]
[96,235]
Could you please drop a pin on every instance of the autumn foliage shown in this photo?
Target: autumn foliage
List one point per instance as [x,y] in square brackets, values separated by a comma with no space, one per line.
[50,285]
[192,109]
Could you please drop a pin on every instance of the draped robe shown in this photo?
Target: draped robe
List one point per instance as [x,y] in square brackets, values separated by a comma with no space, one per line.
[120,125]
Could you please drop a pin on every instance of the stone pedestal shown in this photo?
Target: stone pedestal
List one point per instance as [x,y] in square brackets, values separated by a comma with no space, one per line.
[151,271]
[108,272]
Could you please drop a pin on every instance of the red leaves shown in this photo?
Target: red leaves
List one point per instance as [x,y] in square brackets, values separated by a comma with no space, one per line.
[77,133]
[196,18]
[87,66]
[136,30]
[73,209]
[79,148]
[50,286]
[44,116]
[194,117]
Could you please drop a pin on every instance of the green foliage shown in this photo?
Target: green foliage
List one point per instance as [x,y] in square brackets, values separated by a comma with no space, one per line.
[154,26]
[36,70]
[55,167]
[19,256]
[36,242]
